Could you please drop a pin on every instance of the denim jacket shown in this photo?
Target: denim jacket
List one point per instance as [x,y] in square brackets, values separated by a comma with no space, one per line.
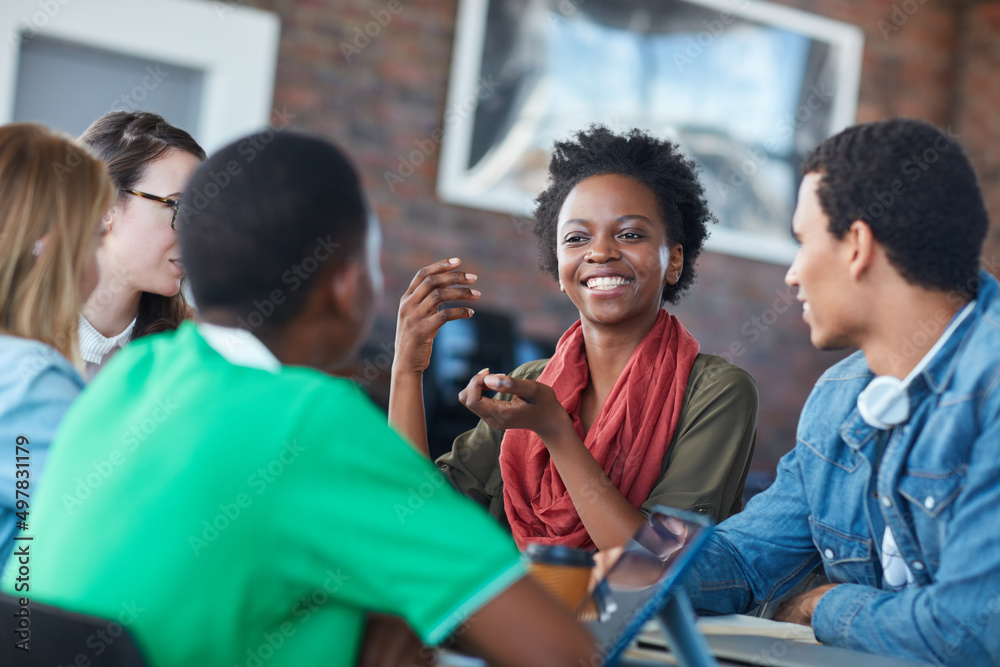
[934,480]
[37,386]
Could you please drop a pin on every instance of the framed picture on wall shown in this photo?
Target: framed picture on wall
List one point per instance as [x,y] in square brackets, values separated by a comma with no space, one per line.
[746,88]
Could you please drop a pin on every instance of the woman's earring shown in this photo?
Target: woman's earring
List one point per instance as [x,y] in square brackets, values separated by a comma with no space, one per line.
[37,250]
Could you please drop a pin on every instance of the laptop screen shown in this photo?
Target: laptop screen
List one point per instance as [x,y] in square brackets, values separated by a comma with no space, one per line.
[638,583]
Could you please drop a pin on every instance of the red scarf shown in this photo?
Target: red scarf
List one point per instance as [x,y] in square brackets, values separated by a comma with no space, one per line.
[629,437]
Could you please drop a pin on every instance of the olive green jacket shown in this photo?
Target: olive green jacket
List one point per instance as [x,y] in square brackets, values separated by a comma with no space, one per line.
[706,463]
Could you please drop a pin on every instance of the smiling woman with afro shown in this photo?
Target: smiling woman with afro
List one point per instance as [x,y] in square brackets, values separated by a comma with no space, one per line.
[628,414]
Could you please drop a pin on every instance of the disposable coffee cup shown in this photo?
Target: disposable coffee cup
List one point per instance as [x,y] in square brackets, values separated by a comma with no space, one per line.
[562,571]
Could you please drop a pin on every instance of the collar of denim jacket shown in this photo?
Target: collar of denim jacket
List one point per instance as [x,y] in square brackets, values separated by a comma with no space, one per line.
[857,434]
[940,370]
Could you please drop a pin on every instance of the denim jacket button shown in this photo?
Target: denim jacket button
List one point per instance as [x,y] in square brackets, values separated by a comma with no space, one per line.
[917,565]
[929,502]
[887,501]
[829,554]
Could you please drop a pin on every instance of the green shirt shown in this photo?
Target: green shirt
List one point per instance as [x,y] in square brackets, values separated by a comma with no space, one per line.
[706,463]
[234,516]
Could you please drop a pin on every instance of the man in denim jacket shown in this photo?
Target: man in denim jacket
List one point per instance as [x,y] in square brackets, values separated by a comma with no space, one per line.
[896,493]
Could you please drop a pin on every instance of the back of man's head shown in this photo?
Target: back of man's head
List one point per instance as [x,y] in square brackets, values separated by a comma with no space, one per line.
[262,219]
[916,189]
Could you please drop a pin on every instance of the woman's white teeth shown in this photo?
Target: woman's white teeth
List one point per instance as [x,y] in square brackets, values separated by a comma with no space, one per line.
[610,282]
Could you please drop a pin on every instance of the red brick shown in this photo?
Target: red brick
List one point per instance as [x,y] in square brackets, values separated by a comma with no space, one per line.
[942,65]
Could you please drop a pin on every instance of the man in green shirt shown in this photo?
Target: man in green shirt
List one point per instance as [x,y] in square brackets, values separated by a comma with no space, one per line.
[231,504]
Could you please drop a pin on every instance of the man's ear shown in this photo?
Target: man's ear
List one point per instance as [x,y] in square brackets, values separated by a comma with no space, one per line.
[862,246]
[344,288]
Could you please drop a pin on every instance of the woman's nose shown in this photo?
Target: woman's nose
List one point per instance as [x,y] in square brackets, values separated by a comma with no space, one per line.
[603,249]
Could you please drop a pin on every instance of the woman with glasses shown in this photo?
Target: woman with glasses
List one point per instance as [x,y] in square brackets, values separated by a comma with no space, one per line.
[139,293]
[49,234]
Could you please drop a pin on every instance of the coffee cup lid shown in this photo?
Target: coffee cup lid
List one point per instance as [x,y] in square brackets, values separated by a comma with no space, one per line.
[557,554]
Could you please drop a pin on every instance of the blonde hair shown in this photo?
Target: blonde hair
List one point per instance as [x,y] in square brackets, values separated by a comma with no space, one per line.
[49,185]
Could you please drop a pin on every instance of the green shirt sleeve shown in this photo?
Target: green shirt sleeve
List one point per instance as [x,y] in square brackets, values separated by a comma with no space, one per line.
[706,464]
[386,517]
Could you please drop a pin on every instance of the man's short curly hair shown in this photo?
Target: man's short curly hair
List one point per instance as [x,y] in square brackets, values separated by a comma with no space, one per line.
[915,188]
[658,164]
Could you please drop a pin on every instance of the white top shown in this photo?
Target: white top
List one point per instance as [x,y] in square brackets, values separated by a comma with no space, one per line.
[96,349]
[239,347]
[894,568]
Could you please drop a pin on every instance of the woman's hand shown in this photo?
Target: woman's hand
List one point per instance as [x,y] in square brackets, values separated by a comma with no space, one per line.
[534,406]
[605,512]
[416,326]
[419,318]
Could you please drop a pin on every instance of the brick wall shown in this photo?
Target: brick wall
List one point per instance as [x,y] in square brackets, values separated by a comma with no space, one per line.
[385,98]
[977,109]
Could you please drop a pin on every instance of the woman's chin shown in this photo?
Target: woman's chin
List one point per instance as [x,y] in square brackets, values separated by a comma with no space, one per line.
[167,288]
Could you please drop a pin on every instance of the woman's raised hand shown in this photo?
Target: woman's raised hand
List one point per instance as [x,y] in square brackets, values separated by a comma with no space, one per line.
[534,406]
[416,326]
[420,319]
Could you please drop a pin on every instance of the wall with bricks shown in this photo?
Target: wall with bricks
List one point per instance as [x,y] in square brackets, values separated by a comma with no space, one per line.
[383,97]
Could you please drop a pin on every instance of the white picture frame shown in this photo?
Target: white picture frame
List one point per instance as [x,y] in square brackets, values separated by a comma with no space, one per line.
[234,47]
[526,73]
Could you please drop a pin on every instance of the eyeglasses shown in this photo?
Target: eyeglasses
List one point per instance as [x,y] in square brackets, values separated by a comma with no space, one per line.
[172,203]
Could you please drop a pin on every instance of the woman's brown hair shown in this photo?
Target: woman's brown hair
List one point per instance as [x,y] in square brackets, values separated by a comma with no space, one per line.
[50,187]
[128,143]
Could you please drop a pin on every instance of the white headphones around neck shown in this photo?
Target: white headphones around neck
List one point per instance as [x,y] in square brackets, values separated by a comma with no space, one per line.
[884,403]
